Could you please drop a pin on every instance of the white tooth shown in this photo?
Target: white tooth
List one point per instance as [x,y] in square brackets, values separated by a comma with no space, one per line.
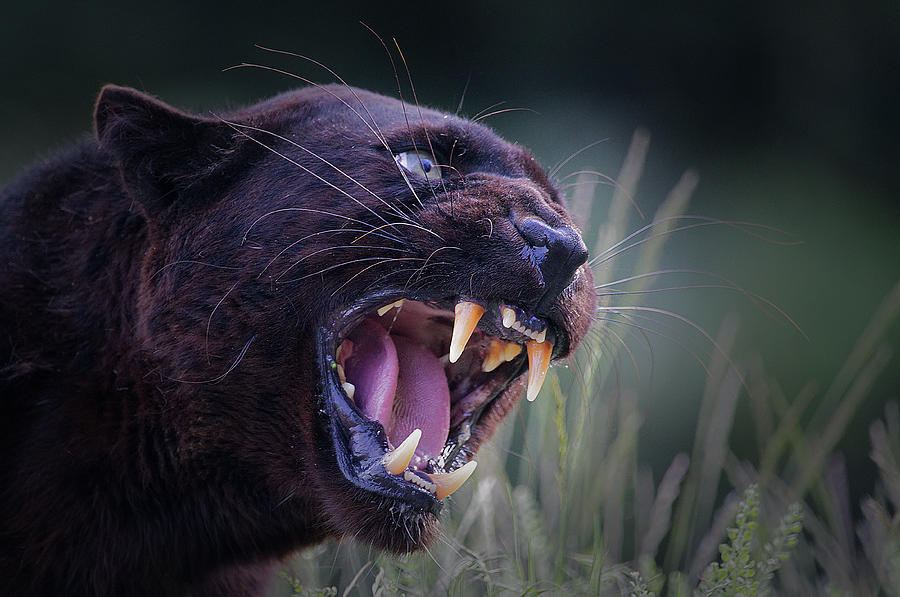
[447,483]
[516,326]
[542,336]
[509,317]
[349,389]
[467,316]
[416,479]
[511,351]
[398,459]
[538,363]
[494,356]
[382,310]
[340,370]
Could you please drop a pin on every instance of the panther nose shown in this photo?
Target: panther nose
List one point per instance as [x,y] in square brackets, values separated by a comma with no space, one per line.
[556,251]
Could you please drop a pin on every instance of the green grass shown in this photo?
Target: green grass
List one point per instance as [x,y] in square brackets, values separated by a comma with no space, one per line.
[564,502]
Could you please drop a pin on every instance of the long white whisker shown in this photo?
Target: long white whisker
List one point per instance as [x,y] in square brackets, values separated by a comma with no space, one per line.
[647,330]
[323,160]
[213,312]
[311,173]
[345,263]
[411,224]
[333,248]
[317,211]
[239,358]
[433,253]
[376,131]
[690,323]
[412,88]
[307,237]
[559,166]
[704,221]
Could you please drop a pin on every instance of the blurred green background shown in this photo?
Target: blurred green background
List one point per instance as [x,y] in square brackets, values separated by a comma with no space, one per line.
[788,113]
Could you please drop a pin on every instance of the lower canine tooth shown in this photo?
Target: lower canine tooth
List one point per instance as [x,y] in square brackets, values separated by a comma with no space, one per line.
[382,310]
[509,317]
[447,483]
[538,363]
[398,459]
[349,389]
[467,316]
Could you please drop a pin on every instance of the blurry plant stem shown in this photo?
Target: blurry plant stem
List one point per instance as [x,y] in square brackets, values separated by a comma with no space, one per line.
[561,477]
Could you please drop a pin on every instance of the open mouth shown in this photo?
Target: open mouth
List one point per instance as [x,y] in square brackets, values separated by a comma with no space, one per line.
[406,382]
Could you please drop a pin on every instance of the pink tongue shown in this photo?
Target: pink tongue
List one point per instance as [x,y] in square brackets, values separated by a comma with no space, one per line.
[422,400]
[401,384]
[372,368]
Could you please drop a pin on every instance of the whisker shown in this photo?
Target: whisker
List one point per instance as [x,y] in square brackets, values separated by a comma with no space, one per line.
[693,325]
[334,95]
[345,263]
[559,166]
[364,270]
[433,253]
[412,88]
[317,211]
[648,330]
[491,107]
[400,94]
[378,135]
[704,221]
[627,350]
[213,312]
[310,172]
[462,96]
[300,240]
[495,112]
[239,358]
[608,180]
[325,161]
[410,224]
[729,285]
[333,248]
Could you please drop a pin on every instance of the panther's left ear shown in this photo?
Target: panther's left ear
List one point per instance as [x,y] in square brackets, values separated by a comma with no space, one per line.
[160,150]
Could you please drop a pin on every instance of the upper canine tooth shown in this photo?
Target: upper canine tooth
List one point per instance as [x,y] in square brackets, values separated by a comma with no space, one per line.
[541,336]
[386,308]
[467,316]
[447,483]
[509,317]
[398,459]
[341,375]
[538,363]
[349,389]
[494,356]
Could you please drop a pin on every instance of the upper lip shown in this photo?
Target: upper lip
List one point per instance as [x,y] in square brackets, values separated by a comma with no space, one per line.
[360,443]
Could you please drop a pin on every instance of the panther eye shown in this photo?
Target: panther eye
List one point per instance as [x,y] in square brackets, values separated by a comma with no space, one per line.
[420,164]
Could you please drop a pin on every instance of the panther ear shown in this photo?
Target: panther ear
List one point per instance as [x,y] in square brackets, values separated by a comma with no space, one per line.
[162,152]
